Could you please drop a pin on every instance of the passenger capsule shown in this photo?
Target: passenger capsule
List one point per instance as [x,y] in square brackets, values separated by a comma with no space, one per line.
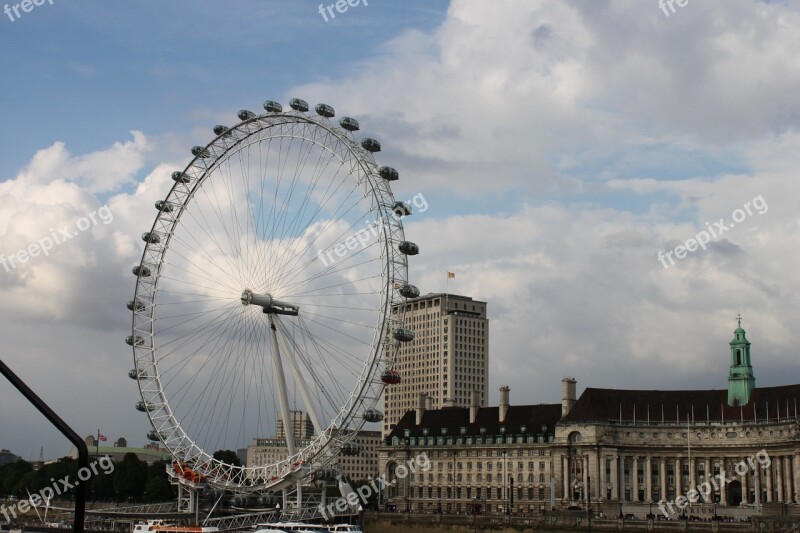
[166,207]
[221,130]
[324,110]
[349,124]
[141,271]
[140,406]
[371,145]
[133,374]
[151,238]
[389,174]
[201,152]
[268,500]
[408,248]
[130,340]
[408,290]
[135,306]
[390,377]
[403,335]
[327,474]
[298,104]
[272,106]
[153,435]
[372,415]
[401,209]
[180,177]
[351,448]
[244,114]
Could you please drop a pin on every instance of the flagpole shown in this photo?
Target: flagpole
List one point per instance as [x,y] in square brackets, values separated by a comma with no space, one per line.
[97,445]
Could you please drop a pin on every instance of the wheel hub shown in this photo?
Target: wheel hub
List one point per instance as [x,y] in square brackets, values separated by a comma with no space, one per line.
[269,304]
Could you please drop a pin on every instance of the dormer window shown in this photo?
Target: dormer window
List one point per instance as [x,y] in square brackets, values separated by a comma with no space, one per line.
[444,431]
[463,430]
[483,431]
[407,433]
[523,429]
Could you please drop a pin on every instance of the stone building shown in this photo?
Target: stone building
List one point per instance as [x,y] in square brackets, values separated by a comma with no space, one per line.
[616,450]
[448,358]
[265,451]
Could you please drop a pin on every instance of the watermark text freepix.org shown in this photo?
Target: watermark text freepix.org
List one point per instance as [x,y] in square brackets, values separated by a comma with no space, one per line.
[365,235]
[340,5]
[59,487]
[706,489]
[663,4]
[26,6]
[45,244]
[702,238]
[419,463]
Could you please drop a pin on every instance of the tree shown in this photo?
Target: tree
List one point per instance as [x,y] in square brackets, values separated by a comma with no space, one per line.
[130,478]
[227,456]
[158,487]
[11,473]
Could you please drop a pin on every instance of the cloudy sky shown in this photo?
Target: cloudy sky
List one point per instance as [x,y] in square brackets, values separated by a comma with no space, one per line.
[560,146]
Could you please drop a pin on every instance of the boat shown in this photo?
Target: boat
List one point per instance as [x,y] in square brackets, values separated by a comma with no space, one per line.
[162,526]
[301,527]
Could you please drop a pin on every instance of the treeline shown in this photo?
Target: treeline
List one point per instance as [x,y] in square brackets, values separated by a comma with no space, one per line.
[131,480]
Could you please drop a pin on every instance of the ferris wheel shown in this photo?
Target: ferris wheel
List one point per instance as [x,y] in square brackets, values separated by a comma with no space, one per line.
[267,297]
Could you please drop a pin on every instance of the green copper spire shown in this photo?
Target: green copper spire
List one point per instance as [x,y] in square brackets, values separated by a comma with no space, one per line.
[740,378]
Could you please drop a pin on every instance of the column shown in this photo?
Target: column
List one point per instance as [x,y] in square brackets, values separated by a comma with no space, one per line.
[787,477]
[692,474]
[662,470]
[601,476]
[621,478]
[648,479]
[796,467]
[745,479]
[565,476]
[723,487]
[778,461]
[614,477]
[585,478]
[635,480]
[678,478]
[758,483]
[769,482]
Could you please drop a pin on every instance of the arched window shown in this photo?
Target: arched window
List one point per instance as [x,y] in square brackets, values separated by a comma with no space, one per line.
[738,357]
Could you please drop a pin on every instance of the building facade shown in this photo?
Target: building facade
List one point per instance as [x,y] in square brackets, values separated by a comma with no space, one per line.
[7,457]
[632,449]
[302,427]
[448,358]
[358,467]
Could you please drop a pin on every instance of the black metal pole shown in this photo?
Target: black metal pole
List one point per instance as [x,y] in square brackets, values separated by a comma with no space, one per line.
[83,451]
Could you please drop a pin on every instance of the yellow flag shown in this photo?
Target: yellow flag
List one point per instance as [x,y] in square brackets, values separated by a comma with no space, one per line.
[451,274]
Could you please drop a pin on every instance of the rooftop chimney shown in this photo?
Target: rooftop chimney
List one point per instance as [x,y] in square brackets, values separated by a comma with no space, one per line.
[474,404]
[429,403]
[449,402]
[421,407]
[568,396]
[503,403]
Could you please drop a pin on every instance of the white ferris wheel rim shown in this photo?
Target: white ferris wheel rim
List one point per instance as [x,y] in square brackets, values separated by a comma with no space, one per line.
[393,269]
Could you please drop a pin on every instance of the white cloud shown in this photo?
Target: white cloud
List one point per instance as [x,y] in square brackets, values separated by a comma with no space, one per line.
[505,95]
